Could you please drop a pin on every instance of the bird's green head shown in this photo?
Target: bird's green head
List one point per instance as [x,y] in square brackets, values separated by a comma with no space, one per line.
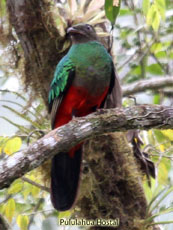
[81,33]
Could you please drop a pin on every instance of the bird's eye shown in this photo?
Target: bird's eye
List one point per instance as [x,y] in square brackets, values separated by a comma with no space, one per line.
[89,27]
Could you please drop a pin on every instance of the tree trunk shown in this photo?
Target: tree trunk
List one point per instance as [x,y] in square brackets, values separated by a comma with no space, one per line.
[112,186]
[40,41]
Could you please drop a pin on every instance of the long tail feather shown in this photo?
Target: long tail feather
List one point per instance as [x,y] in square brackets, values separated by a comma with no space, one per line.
[65,174]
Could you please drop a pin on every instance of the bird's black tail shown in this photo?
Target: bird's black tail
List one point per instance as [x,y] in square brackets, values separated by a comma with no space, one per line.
[65,174]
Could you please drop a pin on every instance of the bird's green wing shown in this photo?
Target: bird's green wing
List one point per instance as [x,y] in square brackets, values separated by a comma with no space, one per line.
[63,77]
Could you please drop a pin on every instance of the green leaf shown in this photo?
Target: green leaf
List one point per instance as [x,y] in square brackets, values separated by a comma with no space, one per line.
[124,12]
[163,171]
[160,4]
[148,190]
[156,20]
[112,10]
[23,222]
[159,136]
[136,70]
[161,54]
[65,214]
[153,17]
[12,145]
[156,47]
[145,6]
[164,211]
[2,142]
[150,15]
[160,222]
[168,133]
[161,198]
[155,194]
[10,209]
[154,69]
[26,192]
[157,99]
[15,187]
[35,191]
[171,55]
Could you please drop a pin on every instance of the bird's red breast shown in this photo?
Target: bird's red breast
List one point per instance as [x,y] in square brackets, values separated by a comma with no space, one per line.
[77,102]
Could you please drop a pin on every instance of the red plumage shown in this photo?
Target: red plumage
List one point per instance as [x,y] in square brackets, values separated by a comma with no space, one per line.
[77,102]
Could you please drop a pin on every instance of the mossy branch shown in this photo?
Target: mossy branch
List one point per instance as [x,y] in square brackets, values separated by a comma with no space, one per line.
[80,129]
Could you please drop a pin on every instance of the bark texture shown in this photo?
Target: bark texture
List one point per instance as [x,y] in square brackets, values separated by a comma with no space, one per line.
[40,41]
[117,196]
[80,129]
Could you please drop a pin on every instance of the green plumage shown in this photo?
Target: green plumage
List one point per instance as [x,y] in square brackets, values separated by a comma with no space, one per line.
[85,67]
[60,78]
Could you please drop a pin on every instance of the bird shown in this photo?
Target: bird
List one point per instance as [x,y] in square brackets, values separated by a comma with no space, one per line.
[84,80]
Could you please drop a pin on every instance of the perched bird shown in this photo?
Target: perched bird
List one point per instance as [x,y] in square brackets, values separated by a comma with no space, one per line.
[84,80]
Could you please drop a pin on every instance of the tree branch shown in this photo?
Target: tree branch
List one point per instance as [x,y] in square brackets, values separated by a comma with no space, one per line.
[152,84]
[80,129]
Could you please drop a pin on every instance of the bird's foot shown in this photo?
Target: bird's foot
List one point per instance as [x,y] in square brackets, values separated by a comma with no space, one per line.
[100,111]
[74,117]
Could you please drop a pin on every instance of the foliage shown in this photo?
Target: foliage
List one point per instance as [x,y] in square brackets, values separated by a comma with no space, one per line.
[112,9]
[143,48]
[154,12]
[22,198]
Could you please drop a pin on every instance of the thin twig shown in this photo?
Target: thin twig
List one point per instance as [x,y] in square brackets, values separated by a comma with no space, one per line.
[36,184]
[37,206]
[35,131]
[159,63]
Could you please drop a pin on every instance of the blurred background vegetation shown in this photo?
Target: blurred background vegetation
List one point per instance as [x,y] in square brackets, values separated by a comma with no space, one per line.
[142,46]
